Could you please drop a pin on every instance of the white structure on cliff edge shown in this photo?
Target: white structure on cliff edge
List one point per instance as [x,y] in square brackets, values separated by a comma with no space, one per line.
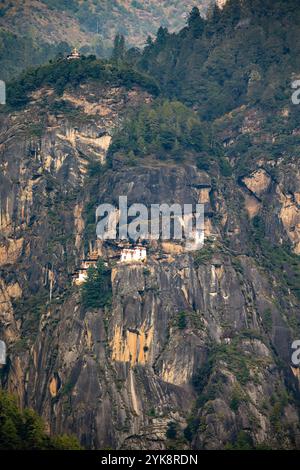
[221,3]
[75,54]
[138,253]
[81,274]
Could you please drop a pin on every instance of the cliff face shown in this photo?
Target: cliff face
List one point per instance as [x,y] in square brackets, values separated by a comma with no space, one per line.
[199,339]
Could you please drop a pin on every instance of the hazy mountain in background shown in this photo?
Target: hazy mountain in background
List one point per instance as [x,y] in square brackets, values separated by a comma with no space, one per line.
[38,30]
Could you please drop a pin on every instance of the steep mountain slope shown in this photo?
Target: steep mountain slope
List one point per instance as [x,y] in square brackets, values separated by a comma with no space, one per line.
[248,53]
[35,31]
[191,349]
[119,376]
[136,20]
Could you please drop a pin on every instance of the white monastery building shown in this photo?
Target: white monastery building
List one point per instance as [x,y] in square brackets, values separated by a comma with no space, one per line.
[138,253]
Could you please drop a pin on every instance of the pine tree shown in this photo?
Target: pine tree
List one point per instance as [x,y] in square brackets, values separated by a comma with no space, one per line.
[162,35]
[25,430]
[119,48]
[196,23]
[96,291]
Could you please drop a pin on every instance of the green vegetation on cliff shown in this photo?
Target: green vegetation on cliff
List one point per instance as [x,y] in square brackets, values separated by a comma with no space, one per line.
[243,54]
[17,52]
[25,430]
[62,73]
[34,32]
[96,290]
[281,262]
[165,128]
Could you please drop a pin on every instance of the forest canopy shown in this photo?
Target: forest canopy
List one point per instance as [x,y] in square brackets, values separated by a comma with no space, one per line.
[161,129]
[242,54]
[62,73]
[25,430]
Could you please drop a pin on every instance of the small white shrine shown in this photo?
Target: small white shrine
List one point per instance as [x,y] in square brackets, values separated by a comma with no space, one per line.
[80,277]
[75,54]
[2,353]
[81,274]
[131,255]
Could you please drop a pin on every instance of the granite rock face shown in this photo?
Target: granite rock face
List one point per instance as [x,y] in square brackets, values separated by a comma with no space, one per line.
[199,339]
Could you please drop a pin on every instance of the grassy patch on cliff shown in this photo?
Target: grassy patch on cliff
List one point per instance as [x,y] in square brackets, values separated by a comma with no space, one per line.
[203,256]
[209,384]
[278,260]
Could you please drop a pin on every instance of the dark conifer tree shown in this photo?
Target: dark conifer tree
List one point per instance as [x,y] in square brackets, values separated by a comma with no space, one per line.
[196,23]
